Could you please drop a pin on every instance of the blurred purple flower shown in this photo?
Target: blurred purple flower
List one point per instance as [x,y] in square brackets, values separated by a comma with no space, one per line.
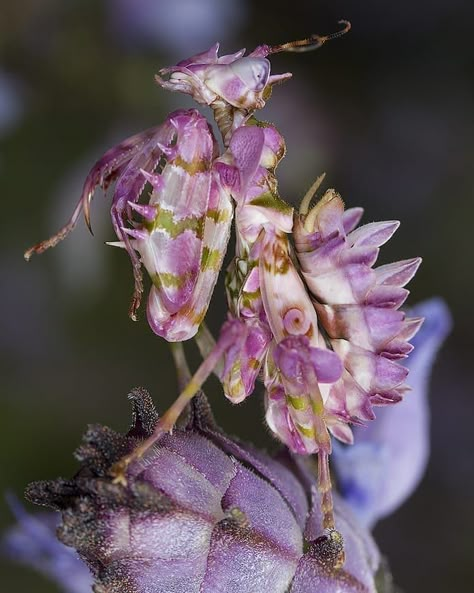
[33,542]
[384,467]
[203,513]
[11,102]
[180,25]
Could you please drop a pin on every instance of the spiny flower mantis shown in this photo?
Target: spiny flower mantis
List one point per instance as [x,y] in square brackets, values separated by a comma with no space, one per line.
[315,319]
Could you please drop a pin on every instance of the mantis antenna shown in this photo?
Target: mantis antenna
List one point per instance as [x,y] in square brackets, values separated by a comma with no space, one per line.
[310,43]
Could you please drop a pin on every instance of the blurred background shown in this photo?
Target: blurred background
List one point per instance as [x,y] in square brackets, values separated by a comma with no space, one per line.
[386,111]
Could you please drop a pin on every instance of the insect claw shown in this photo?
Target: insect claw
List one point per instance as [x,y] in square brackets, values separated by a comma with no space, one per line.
[132,311]
[87,213]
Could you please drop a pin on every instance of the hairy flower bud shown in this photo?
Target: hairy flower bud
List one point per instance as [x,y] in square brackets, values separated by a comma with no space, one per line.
[202,513]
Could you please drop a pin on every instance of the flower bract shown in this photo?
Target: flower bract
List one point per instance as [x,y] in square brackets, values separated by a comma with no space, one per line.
[202,513]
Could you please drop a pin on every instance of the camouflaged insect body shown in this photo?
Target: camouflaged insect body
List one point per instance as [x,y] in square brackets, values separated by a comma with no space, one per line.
[178,231]
[249,164]
[357,306]
[186,225]
[311,316]
[233,85]
[262,267]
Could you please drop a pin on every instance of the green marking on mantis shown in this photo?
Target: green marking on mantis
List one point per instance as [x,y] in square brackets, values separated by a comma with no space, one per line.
[254,294]
[164,220]
[169,280]
[210,259]
[218,216]
[298,403]
[196,166]
[307,432]
[269,200]
[248,298]
[317,406]
[277,267]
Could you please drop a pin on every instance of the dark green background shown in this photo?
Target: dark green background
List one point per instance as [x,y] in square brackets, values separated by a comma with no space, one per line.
[385,111]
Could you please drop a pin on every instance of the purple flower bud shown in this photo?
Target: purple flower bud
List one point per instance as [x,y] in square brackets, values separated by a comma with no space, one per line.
[202,513]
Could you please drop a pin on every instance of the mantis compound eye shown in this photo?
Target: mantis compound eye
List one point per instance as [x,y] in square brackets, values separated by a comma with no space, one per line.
[253,72]
[240,83]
